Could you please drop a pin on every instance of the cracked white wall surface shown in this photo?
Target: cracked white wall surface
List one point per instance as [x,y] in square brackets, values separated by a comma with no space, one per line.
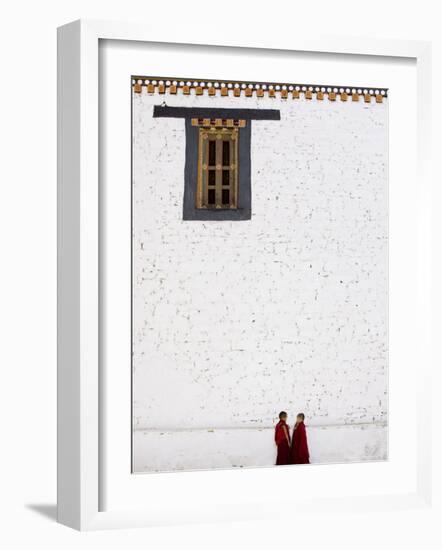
[236,320]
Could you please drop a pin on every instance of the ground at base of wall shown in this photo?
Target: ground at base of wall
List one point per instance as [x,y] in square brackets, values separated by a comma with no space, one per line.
[202,449]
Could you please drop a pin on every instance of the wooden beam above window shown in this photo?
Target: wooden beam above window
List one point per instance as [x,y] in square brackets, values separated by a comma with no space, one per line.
[218,122]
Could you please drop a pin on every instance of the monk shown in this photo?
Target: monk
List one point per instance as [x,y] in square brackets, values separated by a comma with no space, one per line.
[282,440]
[299,450]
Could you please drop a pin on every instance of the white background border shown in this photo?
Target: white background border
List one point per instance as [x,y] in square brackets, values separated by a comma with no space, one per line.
[89,244]
[28,276]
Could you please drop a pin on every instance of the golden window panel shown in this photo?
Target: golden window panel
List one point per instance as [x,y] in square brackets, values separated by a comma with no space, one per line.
[217,186]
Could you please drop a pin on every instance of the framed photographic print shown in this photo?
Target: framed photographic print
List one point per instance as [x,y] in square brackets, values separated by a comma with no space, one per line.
[240,245]
[259,273]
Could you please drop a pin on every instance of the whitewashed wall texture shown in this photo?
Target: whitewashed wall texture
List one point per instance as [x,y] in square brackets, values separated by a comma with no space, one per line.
[235,320]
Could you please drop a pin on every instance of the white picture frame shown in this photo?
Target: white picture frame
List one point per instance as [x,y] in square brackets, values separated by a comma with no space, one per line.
[79,448]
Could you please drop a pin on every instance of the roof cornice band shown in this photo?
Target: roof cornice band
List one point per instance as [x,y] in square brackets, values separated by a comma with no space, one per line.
[232,88]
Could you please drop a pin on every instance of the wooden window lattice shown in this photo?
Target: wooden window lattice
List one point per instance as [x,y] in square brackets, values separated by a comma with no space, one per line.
[218,163]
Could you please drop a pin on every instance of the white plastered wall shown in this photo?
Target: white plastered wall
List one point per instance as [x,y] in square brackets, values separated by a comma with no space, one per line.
[236,320]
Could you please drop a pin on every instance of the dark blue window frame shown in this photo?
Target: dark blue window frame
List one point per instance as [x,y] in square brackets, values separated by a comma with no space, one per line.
[243,211]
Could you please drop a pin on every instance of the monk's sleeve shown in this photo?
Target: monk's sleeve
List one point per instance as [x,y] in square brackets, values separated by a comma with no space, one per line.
[287,434]
[304,447]
[279,435]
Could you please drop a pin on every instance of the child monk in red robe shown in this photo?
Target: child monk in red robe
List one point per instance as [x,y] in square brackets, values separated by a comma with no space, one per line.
[299,451]
[282,440]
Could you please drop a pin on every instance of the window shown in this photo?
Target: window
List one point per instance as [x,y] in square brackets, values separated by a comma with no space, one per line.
[217,168]
[217,185]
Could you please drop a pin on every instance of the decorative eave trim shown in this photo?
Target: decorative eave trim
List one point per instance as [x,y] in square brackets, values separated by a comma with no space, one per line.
[236,88]
[218,122]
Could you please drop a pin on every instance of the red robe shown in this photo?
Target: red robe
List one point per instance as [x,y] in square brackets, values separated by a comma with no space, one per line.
[299,451]
[282,440]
